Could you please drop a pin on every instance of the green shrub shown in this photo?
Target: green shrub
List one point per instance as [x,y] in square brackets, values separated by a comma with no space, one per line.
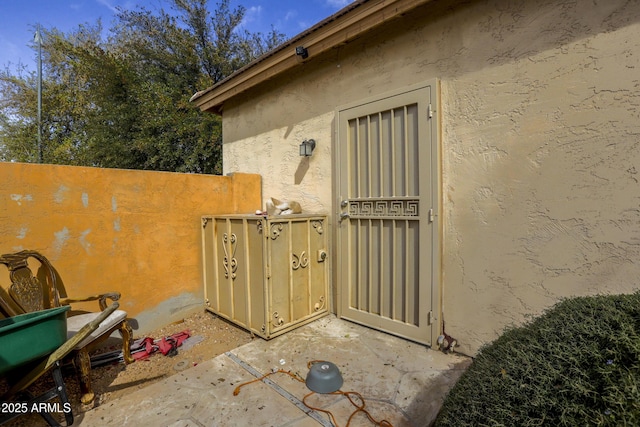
[576,365]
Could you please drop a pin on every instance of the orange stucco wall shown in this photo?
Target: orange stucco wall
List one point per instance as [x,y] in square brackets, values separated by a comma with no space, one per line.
[136,232]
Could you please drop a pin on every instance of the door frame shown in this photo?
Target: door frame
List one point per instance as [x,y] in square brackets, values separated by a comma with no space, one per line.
[436,199]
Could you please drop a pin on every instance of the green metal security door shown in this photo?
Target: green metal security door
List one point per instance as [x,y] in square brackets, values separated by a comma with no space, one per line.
[387,200]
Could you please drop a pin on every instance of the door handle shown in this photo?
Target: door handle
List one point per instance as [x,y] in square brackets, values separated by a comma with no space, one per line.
[344,215]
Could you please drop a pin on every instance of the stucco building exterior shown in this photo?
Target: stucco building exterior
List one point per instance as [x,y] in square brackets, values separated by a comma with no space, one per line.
[504,131]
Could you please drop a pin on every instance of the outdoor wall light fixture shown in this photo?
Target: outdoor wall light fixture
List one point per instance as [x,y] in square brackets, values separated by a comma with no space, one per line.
[324,377]
[307,147]
[302,52]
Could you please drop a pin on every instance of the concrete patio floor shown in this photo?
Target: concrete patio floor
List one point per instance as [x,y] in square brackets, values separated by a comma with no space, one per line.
[400,381]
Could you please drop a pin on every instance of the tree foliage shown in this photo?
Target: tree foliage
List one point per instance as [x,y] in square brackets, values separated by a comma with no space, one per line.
[123,101]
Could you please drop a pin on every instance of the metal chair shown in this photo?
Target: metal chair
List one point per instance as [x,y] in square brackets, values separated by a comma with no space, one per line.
[27,292]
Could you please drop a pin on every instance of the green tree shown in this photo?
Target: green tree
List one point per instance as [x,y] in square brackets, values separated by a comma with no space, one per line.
[124,102]
[18,127]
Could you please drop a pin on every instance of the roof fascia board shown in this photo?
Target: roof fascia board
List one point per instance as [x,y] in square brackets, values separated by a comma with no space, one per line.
[339,31]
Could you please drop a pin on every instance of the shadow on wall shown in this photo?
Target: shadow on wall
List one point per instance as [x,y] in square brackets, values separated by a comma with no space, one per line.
[303,167]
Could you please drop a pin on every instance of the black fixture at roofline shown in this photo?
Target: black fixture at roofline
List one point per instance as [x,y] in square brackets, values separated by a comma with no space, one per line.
[302,52]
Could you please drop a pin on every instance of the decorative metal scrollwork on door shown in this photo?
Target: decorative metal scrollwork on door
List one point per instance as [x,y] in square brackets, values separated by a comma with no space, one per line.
[299,261]
[384,207]
[230,262]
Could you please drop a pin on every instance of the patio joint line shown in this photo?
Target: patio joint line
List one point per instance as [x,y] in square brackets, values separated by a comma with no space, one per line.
[282,392]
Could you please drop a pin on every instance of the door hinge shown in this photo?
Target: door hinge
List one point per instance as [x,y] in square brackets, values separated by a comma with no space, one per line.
[430,318]
[429,111]
[432,216]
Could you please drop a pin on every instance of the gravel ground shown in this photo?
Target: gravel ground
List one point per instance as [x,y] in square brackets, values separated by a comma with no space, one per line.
[116,380]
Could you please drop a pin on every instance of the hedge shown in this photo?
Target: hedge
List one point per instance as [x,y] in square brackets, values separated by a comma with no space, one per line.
[578,364]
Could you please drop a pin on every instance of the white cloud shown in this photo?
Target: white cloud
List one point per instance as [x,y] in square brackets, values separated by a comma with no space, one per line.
[252,14]
[108,4]
[338,4]
[290,15]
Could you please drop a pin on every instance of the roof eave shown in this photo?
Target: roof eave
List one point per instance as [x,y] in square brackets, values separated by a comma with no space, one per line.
[340,28]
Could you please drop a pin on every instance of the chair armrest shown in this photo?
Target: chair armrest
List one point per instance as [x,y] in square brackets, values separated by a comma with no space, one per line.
[101,298]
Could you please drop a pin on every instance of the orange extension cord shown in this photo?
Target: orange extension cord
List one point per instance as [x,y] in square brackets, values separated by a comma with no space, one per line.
[347,394]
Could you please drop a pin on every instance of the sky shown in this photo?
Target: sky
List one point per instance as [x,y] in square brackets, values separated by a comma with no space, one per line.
[19,18]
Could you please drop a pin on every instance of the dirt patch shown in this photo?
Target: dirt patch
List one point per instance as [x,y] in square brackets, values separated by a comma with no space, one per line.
[115,380]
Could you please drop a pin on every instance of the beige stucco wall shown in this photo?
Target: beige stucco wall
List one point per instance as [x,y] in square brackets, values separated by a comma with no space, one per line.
[134,232]
[540,119]
[275,155]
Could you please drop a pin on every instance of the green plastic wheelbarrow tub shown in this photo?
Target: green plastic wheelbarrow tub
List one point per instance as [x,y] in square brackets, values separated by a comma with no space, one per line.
[30,336]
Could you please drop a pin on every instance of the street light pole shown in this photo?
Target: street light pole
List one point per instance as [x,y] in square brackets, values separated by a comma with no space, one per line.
[38,39]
